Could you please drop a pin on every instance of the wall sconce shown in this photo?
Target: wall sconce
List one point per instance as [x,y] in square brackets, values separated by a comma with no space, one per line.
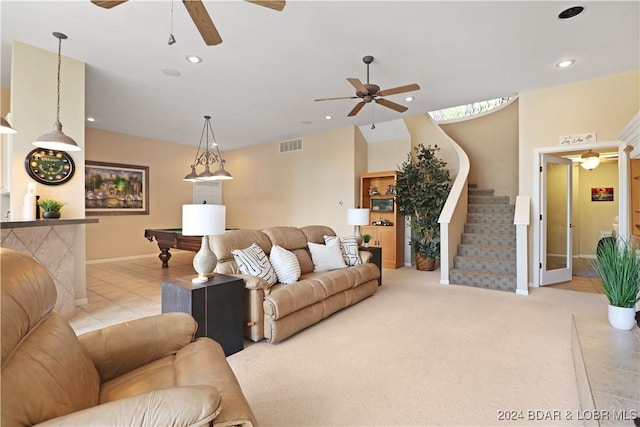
[208,158]
[203,220]
[590,160]
[358,217]
[56,139]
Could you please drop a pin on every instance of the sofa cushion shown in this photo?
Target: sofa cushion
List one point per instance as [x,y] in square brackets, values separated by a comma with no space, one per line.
[254,262]
[285,263]
[326,257]
[294,240]
[316,233]
[235,239]
[348,247]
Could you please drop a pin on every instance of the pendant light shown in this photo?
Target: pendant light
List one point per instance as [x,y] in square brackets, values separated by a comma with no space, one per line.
[590,160]
[208,158]
[56,139]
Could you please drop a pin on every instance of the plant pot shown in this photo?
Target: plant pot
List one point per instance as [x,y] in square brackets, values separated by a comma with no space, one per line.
[621,317]
[51,215]
[425,264]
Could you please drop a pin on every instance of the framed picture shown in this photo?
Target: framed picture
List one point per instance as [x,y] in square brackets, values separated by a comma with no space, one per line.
[382,205]
[116,189]
[602,194]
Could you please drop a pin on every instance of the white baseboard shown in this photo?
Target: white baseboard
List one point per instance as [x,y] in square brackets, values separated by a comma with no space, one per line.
[522,292]
[445,282]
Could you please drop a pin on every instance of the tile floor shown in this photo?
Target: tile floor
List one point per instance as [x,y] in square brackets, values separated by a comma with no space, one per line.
[119,291]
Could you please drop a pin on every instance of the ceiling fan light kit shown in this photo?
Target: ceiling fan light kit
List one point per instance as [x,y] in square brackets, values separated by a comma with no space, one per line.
[371,92]
[56,139]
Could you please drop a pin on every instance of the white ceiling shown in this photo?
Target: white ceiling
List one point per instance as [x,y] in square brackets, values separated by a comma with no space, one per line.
[259,85]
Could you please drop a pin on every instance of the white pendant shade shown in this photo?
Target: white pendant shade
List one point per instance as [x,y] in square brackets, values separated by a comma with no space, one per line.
[5,127]
[56,140]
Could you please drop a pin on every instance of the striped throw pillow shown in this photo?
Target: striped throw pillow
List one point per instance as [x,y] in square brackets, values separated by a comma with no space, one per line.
[286,265]
[254,262]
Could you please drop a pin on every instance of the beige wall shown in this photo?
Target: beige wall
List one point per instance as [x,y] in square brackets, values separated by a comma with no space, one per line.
[388,155]
[491,143]
[424,130]
[603,105]
[123,235]
[315,185]
[594,217]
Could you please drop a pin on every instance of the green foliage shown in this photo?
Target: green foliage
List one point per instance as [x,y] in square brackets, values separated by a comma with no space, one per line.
[366,238]
[50,205]
[618,265]
[422,189]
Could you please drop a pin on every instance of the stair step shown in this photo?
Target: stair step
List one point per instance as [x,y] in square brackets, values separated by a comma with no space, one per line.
[491,208]
[485,264]
[480,192]
[502,252]
[489,218]
[502,282]
[490,228]
[494,200]
[489,239]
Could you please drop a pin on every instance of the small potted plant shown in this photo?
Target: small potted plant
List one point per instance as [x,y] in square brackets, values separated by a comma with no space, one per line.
[618,266]
[51,208]
[366,239]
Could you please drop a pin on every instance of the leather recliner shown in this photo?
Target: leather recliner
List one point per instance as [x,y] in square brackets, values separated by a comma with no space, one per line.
[143,372]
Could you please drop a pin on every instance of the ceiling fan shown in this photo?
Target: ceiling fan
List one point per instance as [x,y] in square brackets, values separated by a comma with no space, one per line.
[199,15]
[371,92]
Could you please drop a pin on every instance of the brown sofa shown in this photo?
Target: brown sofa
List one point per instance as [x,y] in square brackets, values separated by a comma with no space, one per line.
[276,312]
[148,371]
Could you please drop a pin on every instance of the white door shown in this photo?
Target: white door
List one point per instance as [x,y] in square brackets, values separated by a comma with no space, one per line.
[555,222]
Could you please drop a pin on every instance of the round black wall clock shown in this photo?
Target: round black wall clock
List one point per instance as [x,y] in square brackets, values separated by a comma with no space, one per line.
[49,167]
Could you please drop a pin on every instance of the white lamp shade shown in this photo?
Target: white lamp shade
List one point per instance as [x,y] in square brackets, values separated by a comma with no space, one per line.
[358,216]
[203,220]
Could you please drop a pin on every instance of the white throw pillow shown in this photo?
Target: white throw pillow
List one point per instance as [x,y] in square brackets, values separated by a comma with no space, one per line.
[286,265]
[326,257]
[349,248]
[254,262]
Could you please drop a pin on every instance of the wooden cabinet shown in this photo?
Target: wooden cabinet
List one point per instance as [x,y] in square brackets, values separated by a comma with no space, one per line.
[377,194]
[635,198]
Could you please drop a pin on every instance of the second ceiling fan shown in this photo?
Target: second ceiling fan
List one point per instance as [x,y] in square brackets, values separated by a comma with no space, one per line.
[371,92]
[200,16]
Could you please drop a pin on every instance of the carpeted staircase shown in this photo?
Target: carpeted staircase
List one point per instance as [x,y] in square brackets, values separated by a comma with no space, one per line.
[487,254]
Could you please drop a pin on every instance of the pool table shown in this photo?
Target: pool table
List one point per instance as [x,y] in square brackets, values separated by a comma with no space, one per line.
[168,238]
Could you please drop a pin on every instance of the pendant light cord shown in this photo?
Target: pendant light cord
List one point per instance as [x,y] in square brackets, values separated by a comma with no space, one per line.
[59,64]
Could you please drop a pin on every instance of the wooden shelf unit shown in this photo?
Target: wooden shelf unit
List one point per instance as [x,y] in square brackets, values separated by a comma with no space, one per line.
[388,237]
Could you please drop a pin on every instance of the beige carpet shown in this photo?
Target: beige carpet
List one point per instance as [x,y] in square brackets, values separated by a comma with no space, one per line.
[419,353]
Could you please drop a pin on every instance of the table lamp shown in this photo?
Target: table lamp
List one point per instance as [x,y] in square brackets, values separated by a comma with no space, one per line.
[358,217]
[203,220]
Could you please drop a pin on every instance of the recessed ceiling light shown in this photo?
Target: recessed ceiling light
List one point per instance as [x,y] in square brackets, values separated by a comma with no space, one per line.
[171,72]
[565,63]
[194,59]
[409,98]
[328,117]
[571,12]
[91,119]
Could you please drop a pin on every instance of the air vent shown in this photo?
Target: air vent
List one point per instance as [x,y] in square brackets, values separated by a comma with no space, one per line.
[291,145]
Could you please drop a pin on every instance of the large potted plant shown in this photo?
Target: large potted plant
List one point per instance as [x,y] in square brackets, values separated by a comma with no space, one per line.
[618,266]
[422,188]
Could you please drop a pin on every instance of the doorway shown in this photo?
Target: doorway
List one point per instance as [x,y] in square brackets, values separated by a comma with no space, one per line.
[567,222]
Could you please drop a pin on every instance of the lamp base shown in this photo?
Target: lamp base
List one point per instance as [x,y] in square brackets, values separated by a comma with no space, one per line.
[204,262]
[356,232]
